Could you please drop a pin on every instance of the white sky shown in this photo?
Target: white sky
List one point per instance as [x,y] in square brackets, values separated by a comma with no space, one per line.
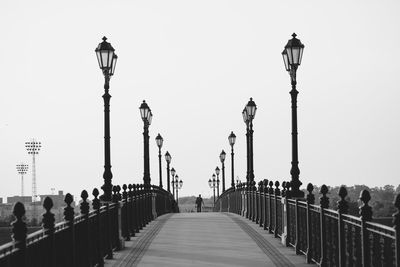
[197,63]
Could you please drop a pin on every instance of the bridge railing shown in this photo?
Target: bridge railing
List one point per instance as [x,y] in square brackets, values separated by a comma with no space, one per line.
[88,238]
[325,236]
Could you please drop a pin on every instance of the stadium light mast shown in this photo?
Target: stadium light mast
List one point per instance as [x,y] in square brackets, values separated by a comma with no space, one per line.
[22,169]
[33,148]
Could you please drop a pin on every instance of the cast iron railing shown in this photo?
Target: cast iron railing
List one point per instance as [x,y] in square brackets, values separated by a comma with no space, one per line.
[86,239]
[325,236]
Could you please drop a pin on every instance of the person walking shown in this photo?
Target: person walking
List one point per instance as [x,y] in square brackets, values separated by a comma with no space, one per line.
[199,202]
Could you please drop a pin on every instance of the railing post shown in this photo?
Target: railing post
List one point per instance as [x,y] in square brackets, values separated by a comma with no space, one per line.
[259,201]
[343,208]
[19,231]
[244,201]
[126,207]
[270,192]
[84,207]
[324,204]
[153,195]
[96,206]
[277,192]
[366,215]
[48,226]
[284,201]
[265,191]
[396,226]
[118,231]
[69,218]
[310,201]
[253,201]
[132,227]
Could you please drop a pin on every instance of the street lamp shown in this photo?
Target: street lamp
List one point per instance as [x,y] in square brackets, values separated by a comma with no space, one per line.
[147,116]
[159,141]
[168,159]
[172,182]
[22,169]
[292,56]
[107,61]
[232,140]
[212,183]
[249,112]
[222,159]
[217,171]
[177,185]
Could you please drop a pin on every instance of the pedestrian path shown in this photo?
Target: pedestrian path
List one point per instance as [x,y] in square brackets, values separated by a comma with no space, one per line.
[204,239]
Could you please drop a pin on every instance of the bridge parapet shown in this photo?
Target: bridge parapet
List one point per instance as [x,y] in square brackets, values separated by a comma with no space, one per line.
[85,239]
[325,236]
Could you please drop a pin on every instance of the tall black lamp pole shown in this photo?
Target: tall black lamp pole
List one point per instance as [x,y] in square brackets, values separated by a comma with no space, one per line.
[107,61]
[222,158]
[147,116]
[217,170]
[168,159]
[173,181]
[212,183]
[292,56]
[232,140]
[249,113]
[159,141]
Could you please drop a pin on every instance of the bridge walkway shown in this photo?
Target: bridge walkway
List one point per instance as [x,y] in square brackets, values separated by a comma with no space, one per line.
[204,239]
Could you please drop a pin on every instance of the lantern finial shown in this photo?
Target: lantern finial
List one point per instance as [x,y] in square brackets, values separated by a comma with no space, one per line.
[294,35]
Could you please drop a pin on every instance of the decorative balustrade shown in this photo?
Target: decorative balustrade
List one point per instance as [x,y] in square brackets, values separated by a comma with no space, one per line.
[325,236]
[88,238]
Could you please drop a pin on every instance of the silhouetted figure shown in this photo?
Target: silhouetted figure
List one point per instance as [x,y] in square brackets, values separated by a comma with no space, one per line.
[199,202]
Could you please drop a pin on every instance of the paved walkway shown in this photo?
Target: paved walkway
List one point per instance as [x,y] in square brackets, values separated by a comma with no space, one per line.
[204,239]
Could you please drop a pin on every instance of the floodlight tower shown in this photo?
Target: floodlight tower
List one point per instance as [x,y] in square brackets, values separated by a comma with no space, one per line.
[33,148]
[22,169]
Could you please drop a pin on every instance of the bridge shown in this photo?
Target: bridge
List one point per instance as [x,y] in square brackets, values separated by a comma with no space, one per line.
[250,226]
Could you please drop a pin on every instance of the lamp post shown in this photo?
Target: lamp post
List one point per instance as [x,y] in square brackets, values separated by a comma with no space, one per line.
[172,182]
[159,141]
[249,112]
[22,169]
[107,61]
[232,140]
[217,171]
[168,159]
[212,183]
[292,56]
[147,116]
[177,185]
[222,159]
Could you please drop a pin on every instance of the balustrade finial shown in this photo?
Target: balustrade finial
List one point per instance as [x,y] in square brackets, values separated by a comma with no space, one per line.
[95,201]
[19,229]
[283,193]
[124,193]
[68,210]
[48,217]
[271,188]
[265,184]
[343,206]
[260,185]
[324,200]
[310,195]
[277,190]
[84,207]
[365,209]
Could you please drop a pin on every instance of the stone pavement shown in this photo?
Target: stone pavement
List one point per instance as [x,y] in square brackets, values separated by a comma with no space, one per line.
[204,239]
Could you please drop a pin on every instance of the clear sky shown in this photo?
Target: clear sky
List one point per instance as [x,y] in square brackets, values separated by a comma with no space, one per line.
[197,63]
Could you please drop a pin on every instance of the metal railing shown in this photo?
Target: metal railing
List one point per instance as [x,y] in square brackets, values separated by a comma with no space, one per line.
[325,236]
[86,239]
